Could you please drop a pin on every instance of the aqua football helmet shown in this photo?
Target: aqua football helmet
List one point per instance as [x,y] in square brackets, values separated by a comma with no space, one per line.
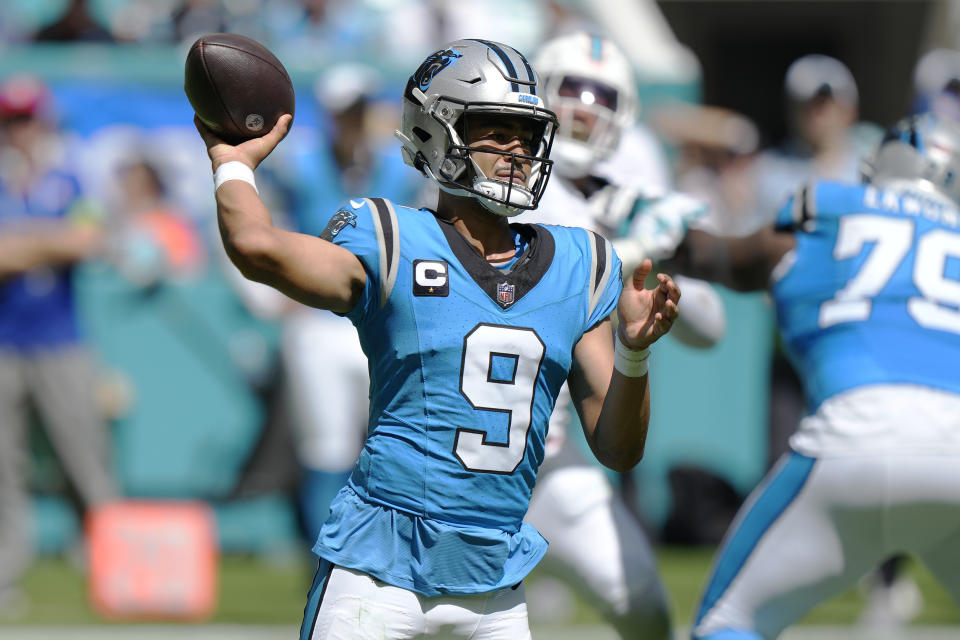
[921,152]
[589,74]
[476,77]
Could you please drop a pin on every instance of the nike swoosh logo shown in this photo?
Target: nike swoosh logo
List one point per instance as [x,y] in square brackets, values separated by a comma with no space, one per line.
[355,204]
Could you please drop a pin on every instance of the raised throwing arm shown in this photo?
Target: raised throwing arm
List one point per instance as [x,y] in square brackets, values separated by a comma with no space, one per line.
[306,268]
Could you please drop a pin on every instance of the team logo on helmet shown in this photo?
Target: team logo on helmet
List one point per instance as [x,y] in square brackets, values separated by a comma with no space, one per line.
[505,293]
[339,220]
[433,65]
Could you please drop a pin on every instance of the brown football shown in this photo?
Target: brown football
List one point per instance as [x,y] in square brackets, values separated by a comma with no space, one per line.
[236,86]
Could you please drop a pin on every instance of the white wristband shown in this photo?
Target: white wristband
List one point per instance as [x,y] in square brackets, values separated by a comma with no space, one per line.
[233,170]
[630,362]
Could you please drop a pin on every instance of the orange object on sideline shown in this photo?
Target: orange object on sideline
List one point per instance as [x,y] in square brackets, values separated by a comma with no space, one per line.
[153,560]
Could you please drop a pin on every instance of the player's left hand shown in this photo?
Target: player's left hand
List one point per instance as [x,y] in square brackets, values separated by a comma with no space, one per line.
[646,314]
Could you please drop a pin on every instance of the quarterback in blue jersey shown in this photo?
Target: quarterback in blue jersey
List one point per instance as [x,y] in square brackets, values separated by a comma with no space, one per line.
[865,283]
[471,325]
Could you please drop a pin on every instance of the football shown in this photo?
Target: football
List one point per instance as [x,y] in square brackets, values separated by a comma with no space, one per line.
[237,87]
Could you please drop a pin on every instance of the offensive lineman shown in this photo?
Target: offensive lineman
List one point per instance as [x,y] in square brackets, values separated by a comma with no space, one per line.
[865,284]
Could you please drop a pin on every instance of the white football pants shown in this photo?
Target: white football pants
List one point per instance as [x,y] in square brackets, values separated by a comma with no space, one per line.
[348,605]
[816,525]
[600,549]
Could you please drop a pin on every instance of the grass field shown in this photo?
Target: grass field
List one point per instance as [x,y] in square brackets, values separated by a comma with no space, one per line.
[261,600]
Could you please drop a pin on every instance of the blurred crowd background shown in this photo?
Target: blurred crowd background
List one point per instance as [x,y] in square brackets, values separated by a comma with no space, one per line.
[186,361]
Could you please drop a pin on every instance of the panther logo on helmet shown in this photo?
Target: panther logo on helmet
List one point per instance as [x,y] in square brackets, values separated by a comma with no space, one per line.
[433,65]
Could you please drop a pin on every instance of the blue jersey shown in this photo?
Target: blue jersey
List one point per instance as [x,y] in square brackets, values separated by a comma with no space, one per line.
[37,309]
[873,296]
[465,365]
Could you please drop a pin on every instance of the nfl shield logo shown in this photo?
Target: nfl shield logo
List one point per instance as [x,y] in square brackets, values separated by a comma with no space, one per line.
[505,294]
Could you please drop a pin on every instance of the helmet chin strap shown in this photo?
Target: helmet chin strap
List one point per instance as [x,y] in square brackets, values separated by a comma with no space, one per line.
[495,197]
[499,197]
[518,196]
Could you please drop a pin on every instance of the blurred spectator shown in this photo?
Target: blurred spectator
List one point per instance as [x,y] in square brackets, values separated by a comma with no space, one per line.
[936,83]
[825,140]
[354,150]
[75,24]
[144,21]
[527,26]
[194,18]
[44,366]
[393,33]
[174,21]
[154,238]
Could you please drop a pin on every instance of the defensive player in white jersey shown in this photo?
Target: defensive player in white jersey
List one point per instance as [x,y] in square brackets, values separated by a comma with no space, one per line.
[610,176]
[471,325]
[867,292]
[610,172]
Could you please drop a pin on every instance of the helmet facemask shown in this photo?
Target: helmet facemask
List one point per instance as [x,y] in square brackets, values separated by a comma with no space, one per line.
[589,82]
[591,117]
[507,192]
[469,79]
[458,172]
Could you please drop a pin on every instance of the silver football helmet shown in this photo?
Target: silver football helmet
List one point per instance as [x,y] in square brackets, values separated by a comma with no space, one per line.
[584,73]
[470,77]
[920,152]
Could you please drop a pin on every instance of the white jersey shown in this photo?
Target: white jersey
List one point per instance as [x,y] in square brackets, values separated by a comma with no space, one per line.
[639,155]
[637,162]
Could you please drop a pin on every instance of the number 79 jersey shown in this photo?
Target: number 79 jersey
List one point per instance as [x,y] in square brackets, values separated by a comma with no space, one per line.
[466,361]
[873,293]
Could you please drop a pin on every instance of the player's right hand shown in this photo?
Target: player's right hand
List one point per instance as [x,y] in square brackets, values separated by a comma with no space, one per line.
[249,152]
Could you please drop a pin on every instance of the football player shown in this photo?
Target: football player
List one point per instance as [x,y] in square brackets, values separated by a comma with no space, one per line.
[471,325]
[610,172]
[610,177]
[865,286]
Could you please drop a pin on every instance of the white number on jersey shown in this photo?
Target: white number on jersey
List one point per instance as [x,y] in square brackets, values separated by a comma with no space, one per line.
[939,308]
[939,305]
[893,238]
[511,345]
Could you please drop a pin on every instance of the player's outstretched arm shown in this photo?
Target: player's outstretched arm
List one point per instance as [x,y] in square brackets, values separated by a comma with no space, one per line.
[308,269]
[739,263]
[611,391]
